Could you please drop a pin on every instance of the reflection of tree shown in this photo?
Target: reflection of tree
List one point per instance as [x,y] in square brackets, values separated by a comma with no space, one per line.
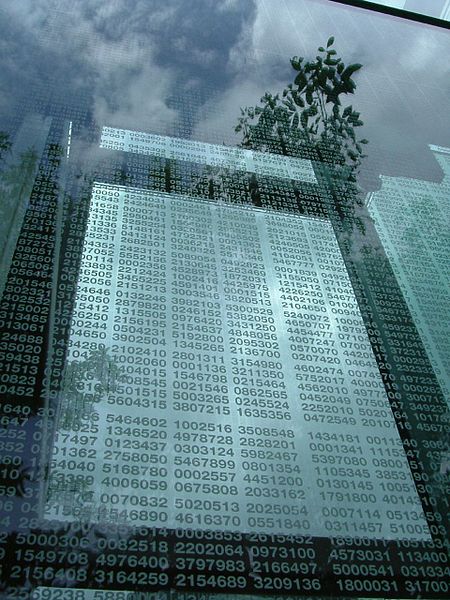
[309,115]
[218,183]
[308,121]
[15,182]
[5,144]
[86,383]
[64,488]
[16,176]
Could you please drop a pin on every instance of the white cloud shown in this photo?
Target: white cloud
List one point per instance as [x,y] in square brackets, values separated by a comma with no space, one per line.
[106,50]
[220,114]
[132,100]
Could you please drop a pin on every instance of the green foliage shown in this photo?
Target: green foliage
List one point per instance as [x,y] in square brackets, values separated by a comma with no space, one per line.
[308,118]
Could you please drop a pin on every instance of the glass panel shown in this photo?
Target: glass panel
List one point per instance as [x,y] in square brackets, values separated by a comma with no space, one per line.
[224,302]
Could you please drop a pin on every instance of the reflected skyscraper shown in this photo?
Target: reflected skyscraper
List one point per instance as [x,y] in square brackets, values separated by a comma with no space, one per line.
[412,219]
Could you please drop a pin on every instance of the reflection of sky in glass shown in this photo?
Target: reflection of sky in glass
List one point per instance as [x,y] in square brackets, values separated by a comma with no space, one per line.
[189,67]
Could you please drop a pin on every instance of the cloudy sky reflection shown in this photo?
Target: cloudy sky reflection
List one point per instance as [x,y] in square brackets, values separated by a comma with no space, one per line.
[185,67]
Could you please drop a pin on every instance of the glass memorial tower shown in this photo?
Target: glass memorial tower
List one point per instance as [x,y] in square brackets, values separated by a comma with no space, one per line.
[224,310]
[246,319]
